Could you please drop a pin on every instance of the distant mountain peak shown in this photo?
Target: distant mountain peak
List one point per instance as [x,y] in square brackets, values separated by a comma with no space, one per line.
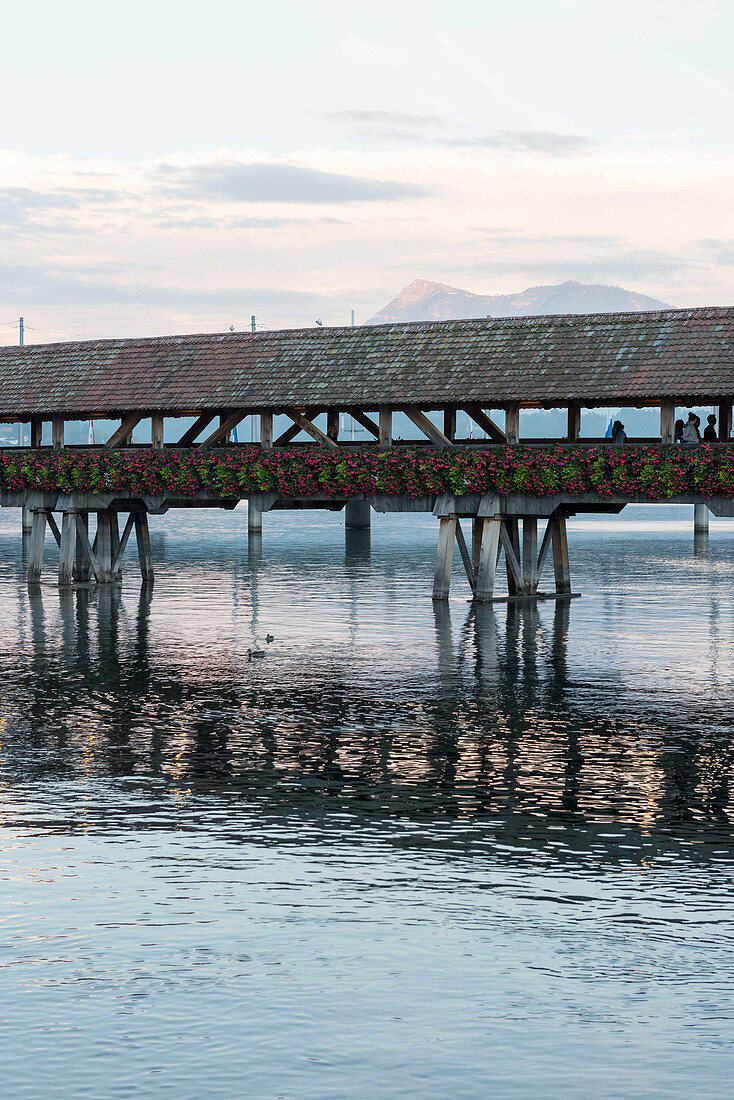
[423,300]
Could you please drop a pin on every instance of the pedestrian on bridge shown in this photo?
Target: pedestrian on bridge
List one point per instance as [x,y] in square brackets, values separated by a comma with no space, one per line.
[710,434]
[691,434]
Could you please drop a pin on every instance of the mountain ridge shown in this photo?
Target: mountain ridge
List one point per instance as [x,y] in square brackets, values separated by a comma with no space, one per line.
[423,300]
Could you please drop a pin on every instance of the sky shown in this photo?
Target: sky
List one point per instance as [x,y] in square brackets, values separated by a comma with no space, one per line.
[179,167]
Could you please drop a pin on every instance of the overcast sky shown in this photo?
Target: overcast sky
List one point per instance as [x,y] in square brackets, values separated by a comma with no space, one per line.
[177,167]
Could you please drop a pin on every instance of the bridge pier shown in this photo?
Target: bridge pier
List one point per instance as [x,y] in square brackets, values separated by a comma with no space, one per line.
[357,515]
[700,519]
[81,560]
[524,561]
[254,518]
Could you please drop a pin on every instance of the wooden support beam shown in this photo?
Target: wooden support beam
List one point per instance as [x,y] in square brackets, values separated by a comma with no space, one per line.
[573,423]
[466,557]
[667,421]
[121,436]
[332,424]
[81,566]
[227,421]
[36,432]
[35,550]
[530,554]
[307,426]
[512,422]
[82,533]
[509,534]
[385,427]
[488,553]
[291,433]
[266,431]
[545,544]
[54,528]
[117,561]
[142,535]
[192,434]
[106,546]
[444,557]
[724,424]
[449,424]
[366,421]
[67,549]
[57,433]
[156,431]
[427,426]
[487,425]
[560,556]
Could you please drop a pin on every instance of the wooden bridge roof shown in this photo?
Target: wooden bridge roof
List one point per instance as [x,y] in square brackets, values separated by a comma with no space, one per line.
[612,358]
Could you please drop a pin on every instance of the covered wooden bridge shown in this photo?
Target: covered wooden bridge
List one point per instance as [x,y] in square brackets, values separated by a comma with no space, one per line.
[308,378]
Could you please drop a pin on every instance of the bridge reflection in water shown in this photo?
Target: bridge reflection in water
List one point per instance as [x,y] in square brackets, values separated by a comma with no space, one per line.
[500,734]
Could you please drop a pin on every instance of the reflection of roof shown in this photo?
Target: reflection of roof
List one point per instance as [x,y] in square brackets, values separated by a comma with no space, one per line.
[593,359]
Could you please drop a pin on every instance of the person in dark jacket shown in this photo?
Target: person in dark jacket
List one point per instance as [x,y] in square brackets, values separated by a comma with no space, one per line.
[709,432]
[619,436]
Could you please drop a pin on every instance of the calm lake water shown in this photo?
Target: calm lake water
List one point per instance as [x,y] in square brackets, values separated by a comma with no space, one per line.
[411,851]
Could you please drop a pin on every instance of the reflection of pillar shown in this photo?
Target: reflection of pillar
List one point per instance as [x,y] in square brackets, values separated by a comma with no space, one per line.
[357,514]
[444,641]
[254,518]
[357,544]
[487,642]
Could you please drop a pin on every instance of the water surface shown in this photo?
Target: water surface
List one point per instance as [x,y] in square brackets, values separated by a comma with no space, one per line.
[412,850]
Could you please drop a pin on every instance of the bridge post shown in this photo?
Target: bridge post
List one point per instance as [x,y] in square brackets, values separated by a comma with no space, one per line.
[254,518]
[385,427]
[106,548]
[667,421]
[81,567]
[57,433]
[560,556]
[357,515]
[67,549]
[512,422]
[444,557]
[35,556]
[530,554]
[156,431]
[486,550]
[700,519]
[724,421]
[142,537]
[266,431]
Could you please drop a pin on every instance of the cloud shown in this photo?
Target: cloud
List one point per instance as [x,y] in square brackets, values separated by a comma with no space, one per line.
[24,209]
[415,129]
[234,181]
[376,52]
[527,240]
[101,286]
[528,141]
[629,264]
[194,221]
[386,118]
